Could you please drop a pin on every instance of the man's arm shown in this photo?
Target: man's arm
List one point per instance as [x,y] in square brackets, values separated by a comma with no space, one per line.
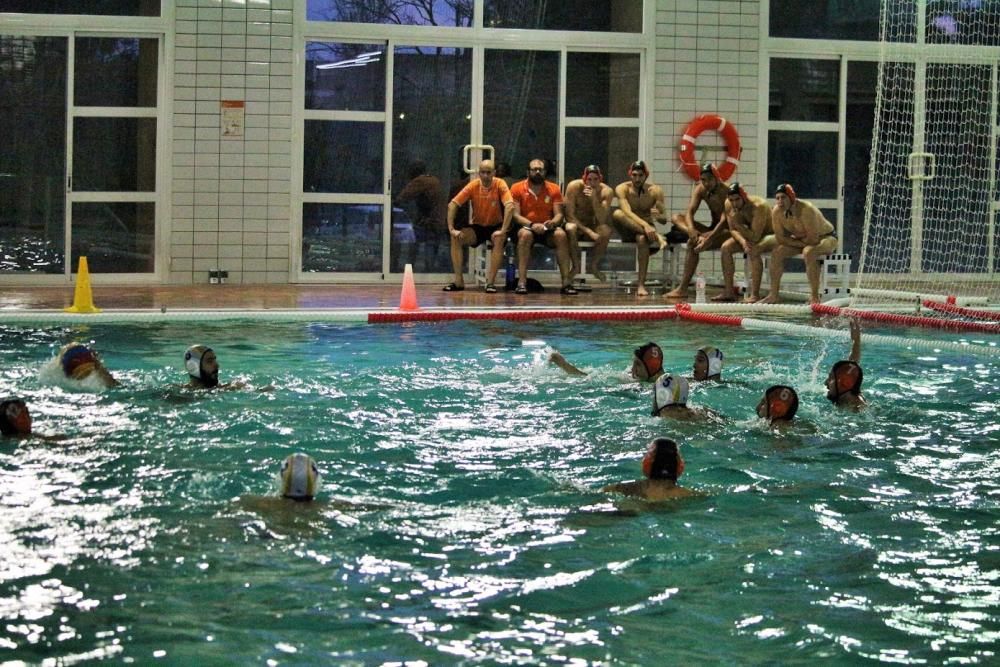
[622,193]
[759,223]
[452,210]
[659,210]
[518,219]
[557,359]
[557,216]
[570,210]
[693,204]
[780,234]
[855,341]
[735,228]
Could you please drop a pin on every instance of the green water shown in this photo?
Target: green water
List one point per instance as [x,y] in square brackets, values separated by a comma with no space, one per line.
[459,521]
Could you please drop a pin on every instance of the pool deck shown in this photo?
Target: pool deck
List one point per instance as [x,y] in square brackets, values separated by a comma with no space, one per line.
[265,297]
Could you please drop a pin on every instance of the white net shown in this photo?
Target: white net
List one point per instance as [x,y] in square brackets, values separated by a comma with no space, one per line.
[933,205]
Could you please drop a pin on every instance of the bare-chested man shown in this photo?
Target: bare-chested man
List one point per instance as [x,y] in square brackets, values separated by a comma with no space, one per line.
[799,227]
[640,205]
[710,189]
[749,221]
[588,214]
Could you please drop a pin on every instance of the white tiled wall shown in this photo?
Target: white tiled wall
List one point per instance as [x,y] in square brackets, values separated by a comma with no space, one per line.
[706,62]
[231,204]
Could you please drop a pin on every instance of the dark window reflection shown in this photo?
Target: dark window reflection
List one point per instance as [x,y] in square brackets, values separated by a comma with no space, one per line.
[92,7]
[115,237]
[115,72]
[806,90]
[972,22]
[841,19]
[582,15]
[401,12]
[602,85]
[341,238]
[343,156]
[521,106]
[611,148]
[432,93]
[345,77]
[32,153]
[808,160]
[114,154]
[861,84]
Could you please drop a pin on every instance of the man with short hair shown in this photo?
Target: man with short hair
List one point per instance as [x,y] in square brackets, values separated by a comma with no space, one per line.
[799,227]
[710,189]
[538,218]
[749,221]
[588,214]
[492,209]
[640,205]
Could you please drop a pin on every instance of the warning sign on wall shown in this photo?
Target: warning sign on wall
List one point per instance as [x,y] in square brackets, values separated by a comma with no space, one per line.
[233,118]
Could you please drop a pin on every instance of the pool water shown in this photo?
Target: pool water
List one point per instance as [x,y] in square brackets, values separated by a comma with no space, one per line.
[459,519]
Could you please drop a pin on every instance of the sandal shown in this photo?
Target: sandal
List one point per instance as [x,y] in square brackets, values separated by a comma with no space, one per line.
[521,289]
[569,289]
[452,287]
[490,288]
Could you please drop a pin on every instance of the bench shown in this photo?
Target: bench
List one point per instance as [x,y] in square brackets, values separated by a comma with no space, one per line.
[834,275]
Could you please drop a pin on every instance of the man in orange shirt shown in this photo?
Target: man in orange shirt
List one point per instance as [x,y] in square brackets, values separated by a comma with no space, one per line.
[538,216]
[492,208]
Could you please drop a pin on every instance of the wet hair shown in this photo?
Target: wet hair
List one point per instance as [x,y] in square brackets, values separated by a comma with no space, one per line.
[666,456]
[592,169]
[638,165]
[651,357]
[787,190]
[847,377]
[735,188]
[7,427]
[779,395]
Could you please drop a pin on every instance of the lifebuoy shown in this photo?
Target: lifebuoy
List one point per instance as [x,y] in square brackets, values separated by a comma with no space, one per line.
[728,133]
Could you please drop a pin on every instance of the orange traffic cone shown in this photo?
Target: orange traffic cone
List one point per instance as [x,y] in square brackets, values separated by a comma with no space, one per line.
[408,296]
[83,297]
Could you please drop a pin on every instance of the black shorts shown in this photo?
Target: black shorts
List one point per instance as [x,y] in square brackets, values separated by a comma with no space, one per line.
[547,238]
[483,234]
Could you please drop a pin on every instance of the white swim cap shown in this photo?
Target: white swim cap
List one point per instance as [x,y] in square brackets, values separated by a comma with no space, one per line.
[714,356]
[192,359]
[670,390]
[299,477]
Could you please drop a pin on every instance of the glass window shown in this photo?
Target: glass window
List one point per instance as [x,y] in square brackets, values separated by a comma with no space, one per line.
[341,238]
[521,107]
[602,85]
[432,110]
[963,22]
[582,15]
[807,160]
[862,78]
[840,19]
[115,72]
[115,237]
[114,154]
[612,148]
[93,7]
[401,12]
[343,156]
[802,89]
[32,153]
[345,77]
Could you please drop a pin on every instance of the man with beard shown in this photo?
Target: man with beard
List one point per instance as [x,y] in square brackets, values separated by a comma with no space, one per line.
[538,218]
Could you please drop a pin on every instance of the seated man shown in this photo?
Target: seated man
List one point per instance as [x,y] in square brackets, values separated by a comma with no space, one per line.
[749,221]
[712,190]
[492,208]
[670,401]
[640,205]
[538,218]
[843,384]
[799,227]
[708,364]
[779,405]
[661,465]
[588,215]
[79,362]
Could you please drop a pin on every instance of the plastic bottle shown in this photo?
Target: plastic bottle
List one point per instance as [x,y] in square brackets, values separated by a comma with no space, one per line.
[699,288]
[511,276]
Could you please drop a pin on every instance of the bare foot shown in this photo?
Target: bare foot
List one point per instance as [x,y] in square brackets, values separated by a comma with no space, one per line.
[770,298]
[599,275]
[726,296]
[641,291]
[677,293]
[814,299]
[751,299]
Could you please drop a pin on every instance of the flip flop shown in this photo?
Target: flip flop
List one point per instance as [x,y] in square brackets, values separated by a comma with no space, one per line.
[568,289]
[490,288]
[452,287]
[521,289]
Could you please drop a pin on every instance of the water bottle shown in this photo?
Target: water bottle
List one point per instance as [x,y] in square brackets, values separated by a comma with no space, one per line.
[699,288]
[511,277]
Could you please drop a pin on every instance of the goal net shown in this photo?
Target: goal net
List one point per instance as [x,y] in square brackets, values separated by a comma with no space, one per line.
[933,206]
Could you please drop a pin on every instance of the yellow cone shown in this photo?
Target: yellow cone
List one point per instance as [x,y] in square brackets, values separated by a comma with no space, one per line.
[83,297]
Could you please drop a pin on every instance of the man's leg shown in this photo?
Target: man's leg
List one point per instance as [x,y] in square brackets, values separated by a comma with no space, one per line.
[525,239]
[642,255]
[812,255]
[729,292]
[560,239]
[464,238]
[600,247]
[690,266]
[573,243]
[778,257]
[757,250]
[496,255]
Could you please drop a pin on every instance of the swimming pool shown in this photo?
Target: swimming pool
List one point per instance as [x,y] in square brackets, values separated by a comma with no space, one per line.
[468,528]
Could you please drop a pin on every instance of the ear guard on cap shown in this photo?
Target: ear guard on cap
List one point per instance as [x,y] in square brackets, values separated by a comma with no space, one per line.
[192,359]
[787,190]
[638,165]
[299,477]
[662,460]
[782,402]
[715,357]
[651,357]
[848,377]
[592,169]
[736,188]
[669,390]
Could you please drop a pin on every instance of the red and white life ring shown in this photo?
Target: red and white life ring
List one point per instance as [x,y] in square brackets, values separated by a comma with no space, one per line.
[728,133]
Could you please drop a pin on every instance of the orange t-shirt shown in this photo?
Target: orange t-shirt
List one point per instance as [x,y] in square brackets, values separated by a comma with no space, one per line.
[486,208]
[537,208]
